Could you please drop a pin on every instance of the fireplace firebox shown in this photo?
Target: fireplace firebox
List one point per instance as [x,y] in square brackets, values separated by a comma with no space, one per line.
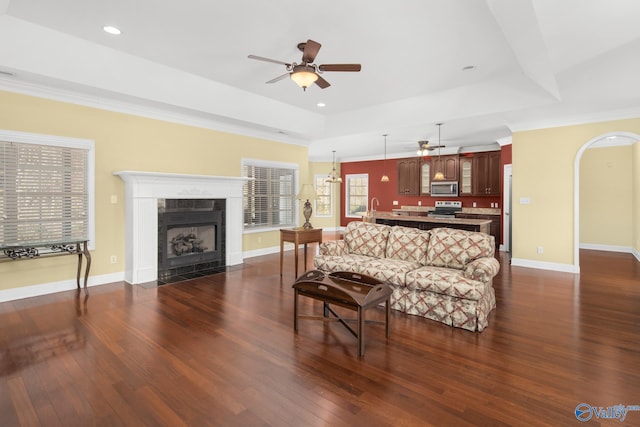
[191,238]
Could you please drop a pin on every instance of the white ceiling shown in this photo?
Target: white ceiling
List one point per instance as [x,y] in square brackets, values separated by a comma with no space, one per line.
[537,63]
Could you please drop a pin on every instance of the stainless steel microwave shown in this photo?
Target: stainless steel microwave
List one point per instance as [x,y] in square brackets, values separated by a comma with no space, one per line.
[444,188]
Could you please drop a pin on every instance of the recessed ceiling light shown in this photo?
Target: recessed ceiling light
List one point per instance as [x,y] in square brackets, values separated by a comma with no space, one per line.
[469,68]
[321,104]
[112,30]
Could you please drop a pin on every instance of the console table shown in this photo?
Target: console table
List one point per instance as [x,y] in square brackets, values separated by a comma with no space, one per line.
[298,236]
[354,291]
[44,250]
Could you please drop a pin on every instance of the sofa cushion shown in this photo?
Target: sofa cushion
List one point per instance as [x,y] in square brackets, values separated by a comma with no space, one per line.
[367,239]
[340,262]
[388,270]
[444,281]
[453,248]
[408,244]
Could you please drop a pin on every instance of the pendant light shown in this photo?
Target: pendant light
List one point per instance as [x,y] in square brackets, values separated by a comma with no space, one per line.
[439,175]
[385,177]
[333,176]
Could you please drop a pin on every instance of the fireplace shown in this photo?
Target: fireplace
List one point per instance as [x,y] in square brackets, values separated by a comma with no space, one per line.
[191,237]
[142,192]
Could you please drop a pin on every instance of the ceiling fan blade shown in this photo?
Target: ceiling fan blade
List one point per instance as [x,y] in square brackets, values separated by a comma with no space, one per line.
[340,67]
[261,58]
[322,83]
[310,51]
[277,79]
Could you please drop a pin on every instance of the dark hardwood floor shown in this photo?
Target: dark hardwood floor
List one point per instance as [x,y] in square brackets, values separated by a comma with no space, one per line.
[221,351]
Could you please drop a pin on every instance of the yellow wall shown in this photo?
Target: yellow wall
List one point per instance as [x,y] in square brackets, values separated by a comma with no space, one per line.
[127,142]
[332,222]
[606,196]
[543,170]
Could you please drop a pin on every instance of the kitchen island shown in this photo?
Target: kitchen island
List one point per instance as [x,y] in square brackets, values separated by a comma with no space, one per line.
[426,222]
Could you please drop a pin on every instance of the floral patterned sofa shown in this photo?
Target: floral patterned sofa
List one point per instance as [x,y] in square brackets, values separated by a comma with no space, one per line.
[443,274]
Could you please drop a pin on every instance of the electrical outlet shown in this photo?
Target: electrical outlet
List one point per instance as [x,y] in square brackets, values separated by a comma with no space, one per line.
[419,203]
[474,204]
[395,203]
[540,249]
[114,199]
[114,259]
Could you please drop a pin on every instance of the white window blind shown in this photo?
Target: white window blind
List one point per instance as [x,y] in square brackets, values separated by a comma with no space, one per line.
[269,198]
[44,194]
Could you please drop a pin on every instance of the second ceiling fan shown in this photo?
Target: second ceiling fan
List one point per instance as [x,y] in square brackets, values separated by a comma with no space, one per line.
[306,72]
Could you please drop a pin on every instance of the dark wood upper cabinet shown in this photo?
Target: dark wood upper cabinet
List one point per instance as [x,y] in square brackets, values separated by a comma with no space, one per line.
[409,177]
[480,174]
[487,173]
[448,165]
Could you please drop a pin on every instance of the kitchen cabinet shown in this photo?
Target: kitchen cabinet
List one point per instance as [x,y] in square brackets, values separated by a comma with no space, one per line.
[494,227]
[480,174]
[409,177]
[448,165]
[466,175]
[486,173]
[425,177]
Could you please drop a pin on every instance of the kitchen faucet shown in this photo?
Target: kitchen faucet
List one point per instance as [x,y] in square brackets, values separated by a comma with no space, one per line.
[371,211]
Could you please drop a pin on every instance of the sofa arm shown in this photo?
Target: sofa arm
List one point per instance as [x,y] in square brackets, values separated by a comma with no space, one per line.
[482,269]
[333,248]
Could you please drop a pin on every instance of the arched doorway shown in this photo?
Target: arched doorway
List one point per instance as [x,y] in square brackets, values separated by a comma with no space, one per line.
[607,139]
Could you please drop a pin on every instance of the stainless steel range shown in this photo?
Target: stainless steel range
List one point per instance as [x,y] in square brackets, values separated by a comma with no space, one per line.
[446,209]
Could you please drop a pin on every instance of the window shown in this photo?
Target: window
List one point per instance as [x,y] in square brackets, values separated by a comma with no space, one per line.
[357,193]
[324,190]
[46,189]
[269,198]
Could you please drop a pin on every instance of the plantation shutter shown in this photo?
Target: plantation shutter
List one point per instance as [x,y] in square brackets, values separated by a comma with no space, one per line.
[44,194]
[269,197]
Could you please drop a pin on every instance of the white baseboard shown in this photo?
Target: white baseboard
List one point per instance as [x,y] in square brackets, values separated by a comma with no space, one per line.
[608,248]
[53,287]
[543,265]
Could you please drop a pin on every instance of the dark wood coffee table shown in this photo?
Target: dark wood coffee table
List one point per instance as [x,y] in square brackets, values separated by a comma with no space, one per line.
[354,291]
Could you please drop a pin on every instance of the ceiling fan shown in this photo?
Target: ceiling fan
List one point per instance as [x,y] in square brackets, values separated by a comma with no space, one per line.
[424,146]
[306,72]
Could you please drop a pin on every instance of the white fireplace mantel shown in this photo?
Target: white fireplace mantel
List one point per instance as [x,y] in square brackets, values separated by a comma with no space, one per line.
[142,191]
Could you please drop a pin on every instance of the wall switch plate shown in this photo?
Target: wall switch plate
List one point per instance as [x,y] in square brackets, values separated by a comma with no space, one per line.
[419,203]
[525,200]
[395,203]
[474,204]
[114,199]
[540,249]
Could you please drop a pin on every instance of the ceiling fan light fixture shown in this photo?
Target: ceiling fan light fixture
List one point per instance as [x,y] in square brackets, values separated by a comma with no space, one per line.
[304,76]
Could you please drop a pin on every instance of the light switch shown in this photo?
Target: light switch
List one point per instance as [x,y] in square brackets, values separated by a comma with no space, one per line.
[114,199]
[525,200]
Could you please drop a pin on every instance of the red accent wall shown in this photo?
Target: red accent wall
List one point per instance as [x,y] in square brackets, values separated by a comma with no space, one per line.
[387,192]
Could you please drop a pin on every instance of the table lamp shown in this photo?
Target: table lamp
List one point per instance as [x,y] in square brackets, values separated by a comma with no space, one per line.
[307,192]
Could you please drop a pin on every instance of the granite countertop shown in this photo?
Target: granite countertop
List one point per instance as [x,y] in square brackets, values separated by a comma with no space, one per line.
[398,216]
[426,209]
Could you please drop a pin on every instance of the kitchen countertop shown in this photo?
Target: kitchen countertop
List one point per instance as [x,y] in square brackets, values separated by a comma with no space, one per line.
[398,216]
[416,210]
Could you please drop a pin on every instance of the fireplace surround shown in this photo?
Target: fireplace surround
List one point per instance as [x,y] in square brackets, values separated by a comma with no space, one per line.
[142,192]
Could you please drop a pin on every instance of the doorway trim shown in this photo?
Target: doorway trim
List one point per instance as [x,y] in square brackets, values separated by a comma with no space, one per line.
[605,140]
